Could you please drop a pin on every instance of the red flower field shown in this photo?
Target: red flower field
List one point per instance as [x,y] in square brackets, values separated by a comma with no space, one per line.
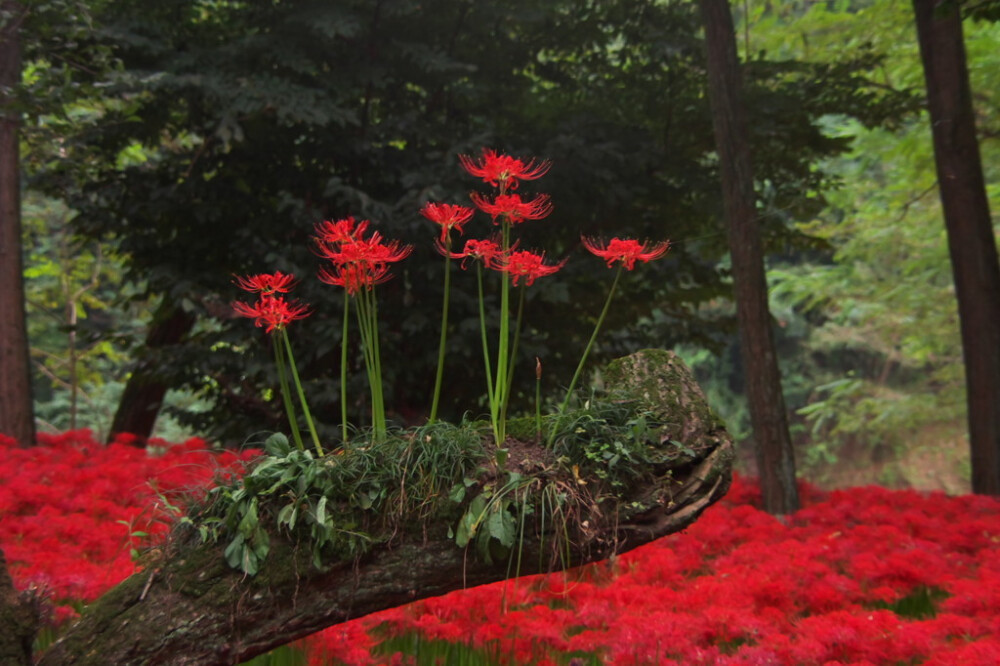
[859,576]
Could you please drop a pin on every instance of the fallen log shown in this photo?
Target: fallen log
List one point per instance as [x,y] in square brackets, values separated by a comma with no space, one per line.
[190,605]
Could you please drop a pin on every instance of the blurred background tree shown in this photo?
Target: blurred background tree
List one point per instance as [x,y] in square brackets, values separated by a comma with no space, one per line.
[221,132]
[872,336]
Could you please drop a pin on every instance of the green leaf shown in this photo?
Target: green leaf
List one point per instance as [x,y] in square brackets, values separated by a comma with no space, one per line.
[277,445]
[457,493]
[502,528]
[248,525]
[321,511]
[285,515]
[234,552]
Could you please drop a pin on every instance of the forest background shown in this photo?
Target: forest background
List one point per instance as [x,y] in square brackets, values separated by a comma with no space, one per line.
[171,145]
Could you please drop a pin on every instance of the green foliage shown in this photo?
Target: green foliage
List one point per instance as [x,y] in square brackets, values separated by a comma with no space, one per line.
[920,604]
[79,318]
[286,655]
[612,441]
[227,130]
[341,504]
[418,650]
[867,327]
[490,520]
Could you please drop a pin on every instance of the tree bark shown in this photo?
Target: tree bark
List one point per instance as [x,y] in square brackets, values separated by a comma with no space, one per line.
[971,239]
[190,607]
[17,418]
[144,392]
[19,617]
[775,457]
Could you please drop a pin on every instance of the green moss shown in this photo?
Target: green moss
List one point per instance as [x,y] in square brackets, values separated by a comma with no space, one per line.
[525,428]
[335,508]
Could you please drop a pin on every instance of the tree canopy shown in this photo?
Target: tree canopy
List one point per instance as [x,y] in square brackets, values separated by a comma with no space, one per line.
[222,133]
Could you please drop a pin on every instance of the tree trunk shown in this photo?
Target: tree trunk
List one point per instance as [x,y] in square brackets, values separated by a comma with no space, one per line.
[19,617]
[17,417]
[189,607]
[775,458]
[143,395]
[971,239]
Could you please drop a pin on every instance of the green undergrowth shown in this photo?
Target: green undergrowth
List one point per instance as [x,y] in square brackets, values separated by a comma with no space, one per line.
[415,649]
[453,476]
[920,604]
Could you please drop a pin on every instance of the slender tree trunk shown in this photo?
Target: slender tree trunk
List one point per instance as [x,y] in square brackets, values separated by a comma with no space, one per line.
[143,396]
[775,457]
[971,240]
[17,418]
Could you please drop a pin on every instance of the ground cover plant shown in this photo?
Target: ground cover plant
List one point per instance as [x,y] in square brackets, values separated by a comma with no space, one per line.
[864,575]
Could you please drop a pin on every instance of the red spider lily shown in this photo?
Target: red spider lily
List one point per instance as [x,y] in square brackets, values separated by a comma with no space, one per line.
[487,251]
[341,231]
[626,251]
[371,253]
[266,283]
[528,265]
[354,277]
[511,207]
[358,262]
[503,171]
[272,311]
[447,216]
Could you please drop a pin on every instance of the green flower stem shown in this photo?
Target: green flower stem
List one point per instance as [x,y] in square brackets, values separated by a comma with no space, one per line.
[513,355]
[361,315]
[286,397]
[500,389]
[367,313]
[301,394]
[583,359]
[444,332]
[538,398]
[482,330]
[343,369]
[380,429]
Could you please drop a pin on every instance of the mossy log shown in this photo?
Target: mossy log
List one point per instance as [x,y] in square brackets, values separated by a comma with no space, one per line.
[189,607]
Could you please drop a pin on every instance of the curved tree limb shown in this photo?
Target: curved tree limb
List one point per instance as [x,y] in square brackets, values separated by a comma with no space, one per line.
[189,607]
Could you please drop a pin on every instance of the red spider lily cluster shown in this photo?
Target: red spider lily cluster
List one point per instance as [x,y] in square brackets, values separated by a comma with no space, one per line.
[356,262]
[737,587]
[359,259]
[271,311]
[75,508]
[741,587]
[505,207]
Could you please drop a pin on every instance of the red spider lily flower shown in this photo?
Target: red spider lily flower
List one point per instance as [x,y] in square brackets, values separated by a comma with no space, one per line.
[511,207]
[266,283]
[354,277]
[627,251]
[528,265]
[272,311]
[371,252]
[448,216]
[358,263]
[487,251]
[503,171]
[341,231]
